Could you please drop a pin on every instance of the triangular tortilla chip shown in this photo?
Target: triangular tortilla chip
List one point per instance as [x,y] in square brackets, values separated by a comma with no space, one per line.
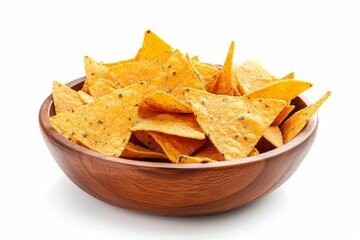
[293,125]
[251,75]
[183,125]
[282,115]
[209,73]
[227,83]
[175,74]
[93,70]
[195,58]
[164,102]
[85,98]
[128,73]
[174,146]
[153,46]
[100,87]
[284,89]
[64,98]
[274,136]
[134,151]
[103,125]
[146,139]
[289,76]
[209,151]
[233,124]
[254,152]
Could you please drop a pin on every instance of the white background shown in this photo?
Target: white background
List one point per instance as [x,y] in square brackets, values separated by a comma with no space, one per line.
[42,41]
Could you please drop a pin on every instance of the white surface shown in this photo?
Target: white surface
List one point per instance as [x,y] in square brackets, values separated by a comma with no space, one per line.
[43,40]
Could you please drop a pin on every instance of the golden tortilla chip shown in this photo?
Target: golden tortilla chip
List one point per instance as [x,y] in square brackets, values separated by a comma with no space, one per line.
[100,87]
[103,125]
[174,146]
[164,102]
[274,136]
[209,73]
[285,90]
[293,125]
[289,76]
[195,58]
[146,139]
[128,73]
[175,74]
[137,56]
[191,159]
[94,70]
[64,98]
[227,82]
[183,125]
[282,115]
[209,151]
[195,71]
[251,75]
[153,46]
[233,124]
[253,152]
[84,97]
[134,151]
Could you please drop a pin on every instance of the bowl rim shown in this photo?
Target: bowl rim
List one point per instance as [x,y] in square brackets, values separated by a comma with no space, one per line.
[58,139]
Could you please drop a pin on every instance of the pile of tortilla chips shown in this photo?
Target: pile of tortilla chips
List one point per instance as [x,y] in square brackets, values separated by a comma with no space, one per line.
[163,105]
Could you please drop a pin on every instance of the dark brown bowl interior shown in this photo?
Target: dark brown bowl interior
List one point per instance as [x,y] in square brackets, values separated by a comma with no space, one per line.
[175,189]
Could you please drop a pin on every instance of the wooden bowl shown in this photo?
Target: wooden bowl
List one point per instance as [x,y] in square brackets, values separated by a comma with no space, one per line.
[175,189]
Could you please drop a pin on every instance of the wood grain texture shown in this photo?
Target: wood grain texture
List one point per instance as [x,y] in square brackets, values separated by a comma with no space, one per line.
[175,189]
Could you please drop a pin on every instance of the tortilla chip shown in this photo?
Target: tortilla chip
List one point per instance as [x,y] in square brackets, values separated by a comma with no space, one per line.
[274,136]
[183,125]
[94,70]
[153,46]
[64,98]
[209,151]
[254,152]
[175,74]
[295,124]
[84,97]
[209,74]
[285,90]
[191,159]
[233,124]
[174,146]
[128,73]
[164,102]
[195,71]
[282,115]
[195,58]
[289,76]
[227,82]
[146,139]
[103,125]
[134,151]
[251,75]
[100,87]
[137,56]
